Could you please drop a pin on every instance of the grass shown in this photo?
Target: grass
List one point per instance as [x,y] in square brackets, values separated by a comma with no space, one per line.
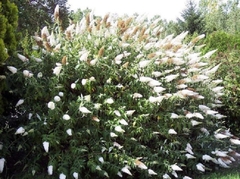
[233,173]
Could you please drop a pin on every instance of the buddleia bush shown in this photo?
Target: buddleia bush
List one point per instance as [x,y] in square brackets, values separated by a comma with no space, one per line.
[111,98]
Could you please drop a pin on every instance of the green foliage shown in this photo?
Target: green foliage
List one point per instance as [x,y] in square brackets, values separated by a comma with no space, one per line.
[228,46]
[230,72]
[109,98]
[222,41]
[8,23]
[8,43]
[79,14]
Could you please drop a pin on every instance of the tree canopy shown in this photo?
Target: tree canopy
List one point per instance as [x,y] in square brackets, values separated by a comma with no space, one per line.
[34,15]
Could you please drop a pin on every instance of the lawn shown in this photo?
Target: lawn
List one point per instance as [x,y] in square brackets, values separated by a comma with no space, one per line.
[223,174]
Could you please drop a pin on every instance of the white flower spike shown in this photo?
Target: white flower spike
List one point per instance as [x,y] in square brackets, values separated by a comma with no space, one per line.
[40,75]
[23,58]
[112,134]
[209,54]
[94,118]
[123,122]
[189,156]
[69,132]
[158,89]
[235,141]
[51,105]
[174,116]
[117,113]
[187,177]
[57,99]
[62,176]
[175,167]
[98,168]
[46,146]
[144,63]
[119,129]
[100,159]
[169,78]
[200,167]
[115,144]
[126,170]
[84,110]
[166,176]
[130,112]
[73,85]
[50,170]
[66,117]
[195,123]
[189,149]
[137,95]
[119,174]
[57,69]
[84,81]
[109,101]
[2,161]
[27,73]
[12,69]
[172,131]
[75,175]
[20,130]
[151,172]
[207,157]
[140,164]
[223,164]
[21,101]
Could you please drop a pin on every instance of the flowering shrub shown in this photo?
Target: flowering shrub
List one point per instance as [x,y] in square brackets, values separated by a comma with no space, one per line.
[110,98]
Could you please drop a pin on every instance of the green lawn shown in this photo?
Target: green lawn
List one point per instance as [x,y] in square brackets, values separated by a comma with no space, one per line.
[223,174]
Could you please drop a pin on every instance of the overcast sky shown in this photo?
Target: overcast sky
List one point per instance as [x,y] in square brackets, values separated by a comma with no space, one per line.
[167,9]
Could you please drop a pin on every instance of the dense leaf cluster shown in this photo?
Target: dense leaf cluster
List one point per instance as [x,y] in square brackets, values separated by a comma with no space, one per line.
[8,42]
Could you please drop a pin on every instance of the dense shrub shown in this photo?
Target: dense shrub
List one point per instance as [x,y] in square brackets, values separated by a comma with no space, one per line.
[221,41]
[109,98]
[229,72]
[227,54]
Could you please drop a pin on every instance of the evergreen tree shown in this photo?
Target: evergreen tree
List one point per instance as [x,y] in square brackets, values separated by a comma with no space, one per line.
[192,19]
[8,42]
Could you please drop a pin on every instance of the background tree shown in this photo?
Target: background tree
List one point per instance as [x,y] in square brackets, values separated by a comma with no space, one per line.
[221,16]
[8,24]
[233,22]
[79,14]
[34,15]
[192,19]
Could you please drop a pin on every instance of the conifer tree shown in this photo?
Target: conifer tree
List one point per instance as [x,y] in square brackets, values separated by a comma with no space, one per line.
[191,20]
[8,42]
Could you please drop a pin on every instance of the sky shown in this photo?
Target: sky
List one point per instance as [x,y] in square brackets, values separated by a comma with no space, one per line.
[167,9]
